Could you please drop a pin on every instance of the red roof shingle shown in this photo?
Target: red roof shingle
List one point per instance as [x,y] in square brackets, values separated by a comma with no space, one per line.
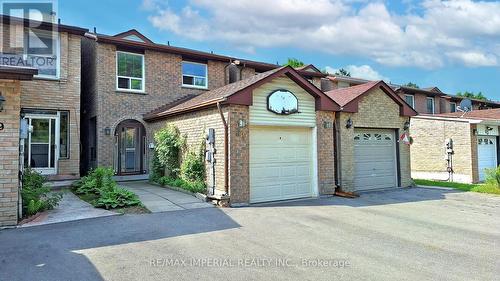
[343,96]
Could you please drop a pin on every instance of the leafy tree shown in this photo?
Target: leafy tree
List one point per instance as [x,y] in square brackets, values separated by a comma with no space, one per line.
[293,62]
[411,85]
[343,72]
[472,95]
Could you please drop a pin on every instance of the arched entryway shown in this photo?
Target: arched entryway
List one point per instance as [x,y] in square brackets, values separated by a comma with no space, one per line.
[129,148]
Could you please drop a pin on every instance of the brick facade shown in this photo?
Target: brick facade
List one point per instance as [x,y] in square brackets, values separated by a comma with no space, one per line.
[376,110]
[193,126]
[62,94]
[428,149]
[163,84]
[9,147]
[421,103]
[326,151]
[239,155]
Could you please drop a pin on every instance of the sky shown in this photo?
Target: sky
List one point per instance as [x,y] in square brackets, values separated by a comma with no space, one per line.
[454,45]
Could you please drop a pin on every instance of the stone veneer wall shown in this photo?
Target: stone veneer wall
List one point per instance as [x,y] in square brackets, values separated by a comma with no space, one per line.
[62,94]
[376,110]
[428,149]
[9,149]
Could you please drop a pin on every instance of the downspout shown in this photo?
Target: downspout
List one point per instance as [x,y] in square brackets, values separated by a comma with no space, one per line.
[226,152]
[338,155]
[338,163]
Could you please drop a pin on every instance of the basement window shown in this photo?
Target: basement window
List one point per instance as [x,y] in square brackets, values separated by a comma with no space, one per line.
[130,72]
[194,75]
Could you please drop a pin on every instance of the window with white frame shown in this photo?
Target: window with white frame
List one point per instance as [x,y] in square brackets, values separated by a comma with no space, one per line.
[410,99]
[194,74]
[129,71]
[430,105]
[453,107]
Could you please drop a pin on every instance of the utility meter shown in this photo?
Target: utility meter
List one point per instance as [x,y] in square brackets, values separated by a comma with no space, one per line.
[449,146]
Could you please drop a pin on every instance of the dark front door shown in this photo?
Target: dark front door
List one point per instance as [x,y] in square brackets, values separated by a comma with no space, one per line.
[130,141]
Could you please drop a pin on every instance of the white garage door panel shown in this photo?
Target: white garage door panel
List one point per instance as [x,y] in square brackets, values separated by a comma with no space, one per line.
[375,159]
[487,154]
[280,163]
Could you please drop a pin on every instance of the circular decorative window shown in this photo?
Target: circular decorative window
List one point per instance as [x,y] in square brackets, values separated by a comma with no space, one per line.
[282,102]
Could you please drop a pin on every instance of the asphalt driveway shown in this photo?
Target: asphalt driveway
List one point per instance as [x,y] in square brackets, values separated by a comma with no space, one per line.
[415,234]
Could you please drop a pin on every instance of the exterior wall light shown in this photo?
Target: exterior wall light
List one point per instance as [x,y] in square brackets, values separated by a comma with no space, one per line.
[107,131]
[406,126]
[349,123]
[2,101]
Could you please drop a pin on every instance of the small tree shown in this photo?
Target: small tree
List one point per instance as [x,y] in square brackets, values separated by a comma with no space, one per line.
[168,149]
[343,72]
[472,95]
[293,62]
[411,85]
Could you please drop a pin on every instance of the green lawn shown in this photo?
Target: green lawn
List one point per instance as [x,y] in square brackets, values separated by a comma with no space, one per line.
[481,188]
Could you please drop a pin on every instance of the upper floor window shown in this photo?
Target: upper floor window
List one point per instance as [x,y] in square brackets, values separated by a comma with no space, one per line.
[130,71]
[430,105]
[194,75]
[453,107]
[410,99]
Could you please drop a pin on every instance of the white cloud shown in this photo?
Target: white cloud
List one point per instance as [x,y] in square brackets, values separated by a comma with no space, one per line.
[442,32]
[473,59]
[361,71]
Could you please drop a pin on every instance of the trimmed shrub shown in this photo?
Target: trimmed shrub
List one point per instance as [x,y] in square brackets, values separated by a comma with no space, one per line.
[493,179]
[117,198]
[104,190]
[36,196]
[196,186]
[98,180]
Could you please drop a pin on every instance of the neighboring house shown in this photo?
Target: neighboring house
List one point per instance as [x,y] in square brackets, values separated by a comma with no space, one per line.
[453,103]
[332,82]
[44,90]
[273,136]
[424,101]
[369,126]
[312,74]
[475,145]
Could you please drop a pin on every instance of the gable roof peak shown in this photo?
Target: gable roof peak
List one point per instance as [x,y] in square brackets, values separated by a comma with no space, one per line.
[133,35]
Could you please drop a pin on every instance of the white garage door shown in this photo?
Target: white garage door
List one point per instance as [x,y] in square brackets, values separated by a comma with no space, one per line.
[487,154]
[280,163]
[375,159]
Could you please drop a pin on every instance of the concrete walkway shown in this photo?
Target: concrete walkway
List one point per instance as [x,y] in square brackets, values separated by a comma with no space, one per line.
[70,208]
[159,199]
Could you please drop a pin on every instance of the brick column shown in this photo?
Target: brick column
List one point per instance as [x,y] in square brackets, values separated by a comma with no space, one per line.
[239,155]
[326,160]
[9,152]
